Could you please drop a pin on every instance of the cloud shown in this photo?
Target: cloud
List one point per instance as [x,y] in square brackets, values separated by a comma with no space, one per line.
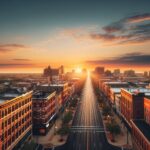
[127,59]
[139,18]
[20,59]
[9,65]
[133,29]
[10,47]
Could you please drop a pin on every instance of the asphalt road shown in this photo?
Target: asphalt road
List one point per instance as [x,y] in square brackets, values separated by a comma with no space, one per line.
[87,132]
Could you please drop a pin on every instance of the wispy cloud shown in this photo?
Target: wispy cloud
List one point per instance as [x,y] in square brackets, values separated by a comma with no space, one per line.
[10,65]
[21,59]
[139,18]
[11,47]
[127,59]
[129,30]
[134,29]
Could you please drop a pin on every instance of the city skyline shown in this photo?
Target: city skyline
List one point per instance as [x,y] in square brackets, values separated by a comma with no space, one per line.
[76,34]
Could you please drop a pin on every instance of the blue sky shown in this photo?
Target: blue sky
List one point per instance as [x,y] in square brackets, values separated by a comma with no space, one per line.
[39,25]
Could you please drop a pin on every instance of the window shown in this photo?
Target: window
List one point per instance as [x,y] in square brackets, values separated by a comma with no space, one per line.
[9,110]
[2,125]
[9,131]
[13,108]
[22,103]
[20,114]
[13,118]
[9,142]
[3,114]
[16,106]
[5,123]
[17,116]
[9,121]
[16,125]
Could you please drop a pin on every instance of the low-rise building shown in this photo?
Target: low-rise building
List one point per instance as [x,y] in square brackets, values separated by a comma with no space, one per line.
[147,109]
[44,110]
[132,105]
[135,109]
[140,135]
[15,119]
[64,89]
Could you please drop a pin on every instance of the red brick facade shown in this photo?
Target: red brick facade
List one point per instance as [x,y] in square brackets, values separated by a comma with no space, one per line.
[139,141]
[132,105]
[147,110]
[15,120]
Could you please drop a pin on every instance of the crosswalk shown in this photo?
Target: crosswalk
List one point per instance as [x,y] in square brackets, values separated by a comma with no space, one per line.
[87,129]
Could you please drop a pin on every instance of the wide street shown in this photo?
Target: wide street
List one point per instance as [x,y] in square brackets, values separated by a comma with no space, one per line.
[87,132]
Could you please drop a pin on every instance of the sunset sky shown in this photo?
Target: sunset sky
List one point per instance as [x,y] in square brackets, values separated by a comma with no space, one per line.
[74,33]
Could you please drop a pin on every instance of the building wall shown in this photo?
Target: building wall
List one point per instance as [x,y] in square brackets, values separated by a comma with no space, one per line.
[147,110]
[16,120]
[138,140]
[117,104]
[43,111]
[126,105]
[132,105]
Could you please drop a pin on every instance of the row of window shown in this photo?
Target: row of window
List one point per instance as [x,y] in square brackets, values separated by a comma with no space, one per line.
[4,113]
[12,130]
[140,141]
[43,104]
[10,120]
[14,107]
[14,137]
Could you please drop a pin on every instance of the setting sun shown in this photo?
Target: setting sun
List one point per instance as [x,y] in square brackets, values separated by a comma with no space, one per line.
[78,70]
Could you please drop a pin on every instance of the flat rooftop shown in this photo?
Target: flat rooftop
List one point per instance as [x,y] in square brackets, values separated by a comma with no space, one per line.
[138,90]
[116,82]
[54,85]
[9,94]
[116,90]
[143,127]
[42,94]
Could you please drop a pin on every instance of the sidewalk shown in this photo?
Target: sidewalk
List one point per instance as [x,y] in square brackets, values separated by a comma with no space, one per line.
[51,139]
[121,139]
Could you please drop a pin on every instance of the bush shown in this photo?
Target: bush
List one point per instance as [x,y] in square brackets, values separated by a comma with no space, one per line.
[63,130]
[67,118]
[113,128]
[73,103]
[106,110]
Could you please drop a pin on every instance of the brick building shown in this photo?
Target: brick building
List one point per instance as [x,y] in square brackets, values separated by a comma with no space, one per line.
[140,135]
[44,110]
[15,119]
[135,109]
[147,109]
[132,105]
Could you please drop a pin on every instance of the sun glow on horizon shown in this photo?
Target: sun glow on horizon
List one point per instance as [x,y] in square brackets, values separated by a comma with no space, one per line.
[78,70]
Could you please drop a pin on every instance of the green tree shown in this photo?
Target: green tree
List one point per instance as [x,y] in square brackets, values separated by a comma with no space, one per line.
[63,130]
[113,128]
[67,118]
[106,110]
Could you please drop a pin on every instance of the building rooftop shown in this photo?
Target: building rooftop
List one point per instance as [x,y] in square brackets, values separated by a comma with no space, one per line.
[116,90]
[42,94]
[143,127]
[56,84]
[139,90]
[10,94]
[116,82]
